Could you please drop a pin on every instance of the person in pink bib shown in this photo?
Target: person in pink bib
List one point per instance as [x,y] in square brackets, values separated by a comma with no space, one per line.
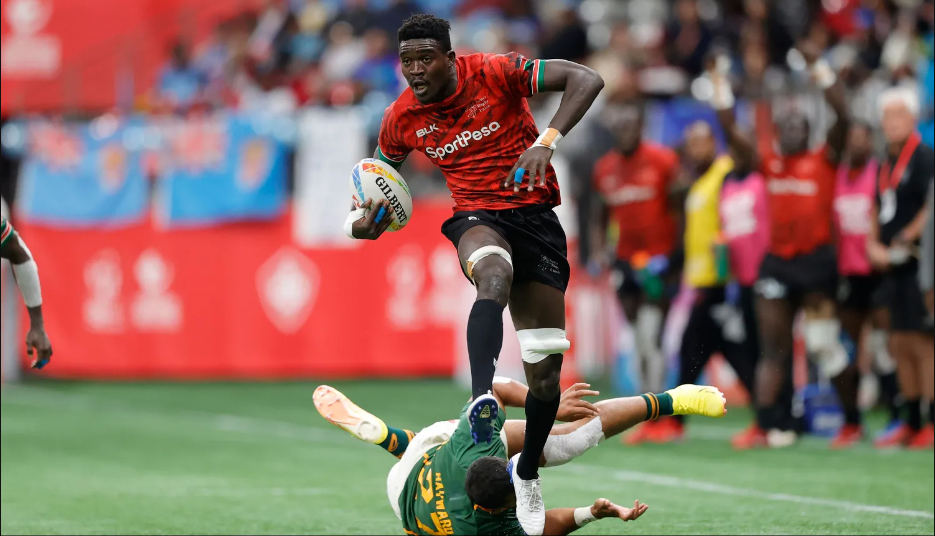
[854,198]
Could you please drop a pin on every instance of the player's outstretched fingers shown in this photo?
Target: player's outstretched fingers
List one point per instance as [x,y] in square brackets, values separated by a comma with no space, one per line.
[543,170]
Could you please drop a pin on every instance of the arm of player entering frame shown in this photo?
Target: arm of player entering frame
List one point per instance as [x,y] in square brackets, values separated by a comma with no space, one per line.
[580,84]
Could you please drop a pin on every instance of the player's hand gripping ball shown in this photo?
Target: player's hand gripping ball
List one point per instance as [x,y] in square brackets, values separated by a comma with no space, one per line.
[378,187]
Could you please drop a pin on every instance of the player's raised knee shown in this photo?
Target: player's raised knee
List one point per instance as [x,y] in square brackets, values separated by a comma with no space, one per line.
[491,269]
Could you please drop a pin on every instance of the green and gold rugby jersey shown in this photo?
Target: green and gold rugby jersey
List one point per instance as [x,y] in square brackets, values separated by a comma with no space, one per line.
[434,501]
[6,230]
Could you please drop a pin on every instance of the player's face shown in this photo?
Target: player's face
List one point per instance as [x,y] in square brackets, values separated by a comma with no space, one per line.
[794,131]
[630,130]
[426,67]
[859,143]
[700,146]
[898,123]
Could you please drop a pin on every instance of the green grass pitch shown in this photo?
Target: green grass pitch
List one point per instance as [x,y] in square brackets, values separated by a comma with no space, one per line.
[257,459]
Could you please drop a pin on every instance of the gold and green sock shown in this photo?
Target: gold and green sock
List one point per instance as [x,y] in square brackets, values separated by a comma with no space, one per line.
[658,405]
[396,441]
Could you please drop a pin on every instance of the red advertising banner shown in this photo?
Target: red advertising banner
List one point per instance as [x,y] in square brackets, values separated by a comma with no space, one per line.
[241,301]
[84,54]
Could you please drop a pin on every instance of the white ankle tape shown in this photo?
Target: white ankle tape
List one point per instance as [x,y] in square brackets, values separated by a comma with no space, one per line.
[538,344]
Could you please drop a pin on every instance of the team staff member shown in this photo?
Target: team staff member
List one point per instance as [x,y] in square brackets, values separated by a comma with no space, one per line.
[854,199]
[636,182]
[722,319]
[904,182]
[800,271]
[928,252]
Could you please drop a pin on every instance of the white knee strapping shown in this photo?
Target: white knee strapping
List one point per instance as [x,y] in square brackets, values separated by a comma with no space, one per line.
[878,344]
[823,343]
[483,253]
[538,344]
[561,449]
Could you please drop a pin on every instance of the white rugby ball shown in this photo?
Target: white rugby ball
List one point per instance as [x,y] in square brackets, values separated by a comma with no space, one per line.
[375,179]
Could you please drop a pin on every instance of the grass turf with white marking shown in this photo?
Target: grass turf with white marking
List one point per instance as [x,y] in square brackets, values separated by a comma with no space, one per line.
[257,458]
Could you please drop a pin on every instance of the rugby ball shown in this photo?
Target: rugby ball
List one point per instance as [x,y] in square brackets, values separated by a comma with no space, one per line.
[375,179]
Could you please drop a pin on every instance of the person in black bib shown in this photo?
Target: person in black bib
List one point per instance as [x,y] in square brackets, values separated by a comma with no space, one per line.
[894,249]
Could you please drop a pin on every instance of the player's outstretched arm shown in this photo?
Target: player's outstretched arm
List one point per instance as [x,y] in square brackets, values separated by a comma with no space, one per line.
[581,85]
[573,407]
[26,273]
[723,101]
[562,521]
[823,75]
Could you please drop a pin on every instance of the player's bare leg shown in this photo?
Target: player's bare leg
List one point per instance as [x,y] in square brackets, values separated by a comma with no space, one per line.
[823,343]
[486,259]
[924,350]
[338,409]
[570,440]
[775,317]
[538,313]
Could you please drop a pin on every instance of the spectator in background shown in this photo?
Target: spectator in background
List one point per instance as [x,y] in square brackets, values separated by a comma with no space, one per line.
[390,19]
[379,70]
[344,54]
[180,83]
[688,38]
[357,14]
[568,40]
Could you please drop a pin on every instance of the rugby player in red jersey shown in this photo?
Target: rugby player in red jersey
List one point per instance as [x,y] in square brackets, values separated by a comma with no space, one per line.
[469,115]
[800,270]
[636,183]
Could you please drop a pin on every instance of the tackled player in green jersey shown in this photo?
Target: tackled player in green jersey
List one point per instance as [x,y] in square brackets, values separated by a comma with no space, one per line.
[444,483]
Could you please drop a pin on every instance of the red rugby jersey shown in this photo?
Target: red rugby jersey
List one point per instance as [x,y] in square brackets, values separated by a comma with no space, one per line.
[801,196]
[636,190]
[476,135]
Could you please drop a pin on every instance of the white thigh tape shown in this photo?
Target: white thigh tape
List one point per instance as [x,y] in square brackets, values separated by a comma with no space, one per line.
[538,344]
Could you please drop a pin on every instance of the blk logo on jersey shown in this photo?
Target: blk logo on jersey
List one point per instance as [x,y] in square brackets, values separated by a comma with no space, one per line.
[461,141]
[423,132]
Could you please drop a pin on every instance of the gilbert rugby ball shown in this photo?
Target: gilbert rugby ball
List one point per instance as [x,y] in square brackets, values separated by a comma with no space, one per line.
[374,179]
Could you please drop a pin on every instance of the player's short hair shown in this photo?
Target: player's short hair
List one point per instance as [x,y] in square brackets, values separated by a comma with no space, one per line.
[907,96]
[423,26]
[488,483]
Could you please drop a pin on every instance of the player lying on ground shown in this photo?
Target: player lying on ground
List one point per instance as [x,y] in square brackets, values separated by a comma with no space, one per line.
[26,273]
[444,483]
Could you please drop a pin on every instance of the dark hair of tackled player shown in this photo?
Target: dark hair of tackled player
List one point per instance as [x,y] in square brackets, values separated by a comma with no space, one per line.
[426,58]
[488,485]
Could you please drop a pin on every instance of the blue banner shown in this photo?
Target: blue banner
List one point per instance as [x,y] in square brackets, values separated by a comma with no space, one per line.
[83,174]
[222,169]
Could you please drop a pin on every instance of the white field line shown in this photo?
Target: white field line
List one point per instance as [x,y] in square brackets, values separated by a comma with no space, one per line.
[285,430]
[710,487]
